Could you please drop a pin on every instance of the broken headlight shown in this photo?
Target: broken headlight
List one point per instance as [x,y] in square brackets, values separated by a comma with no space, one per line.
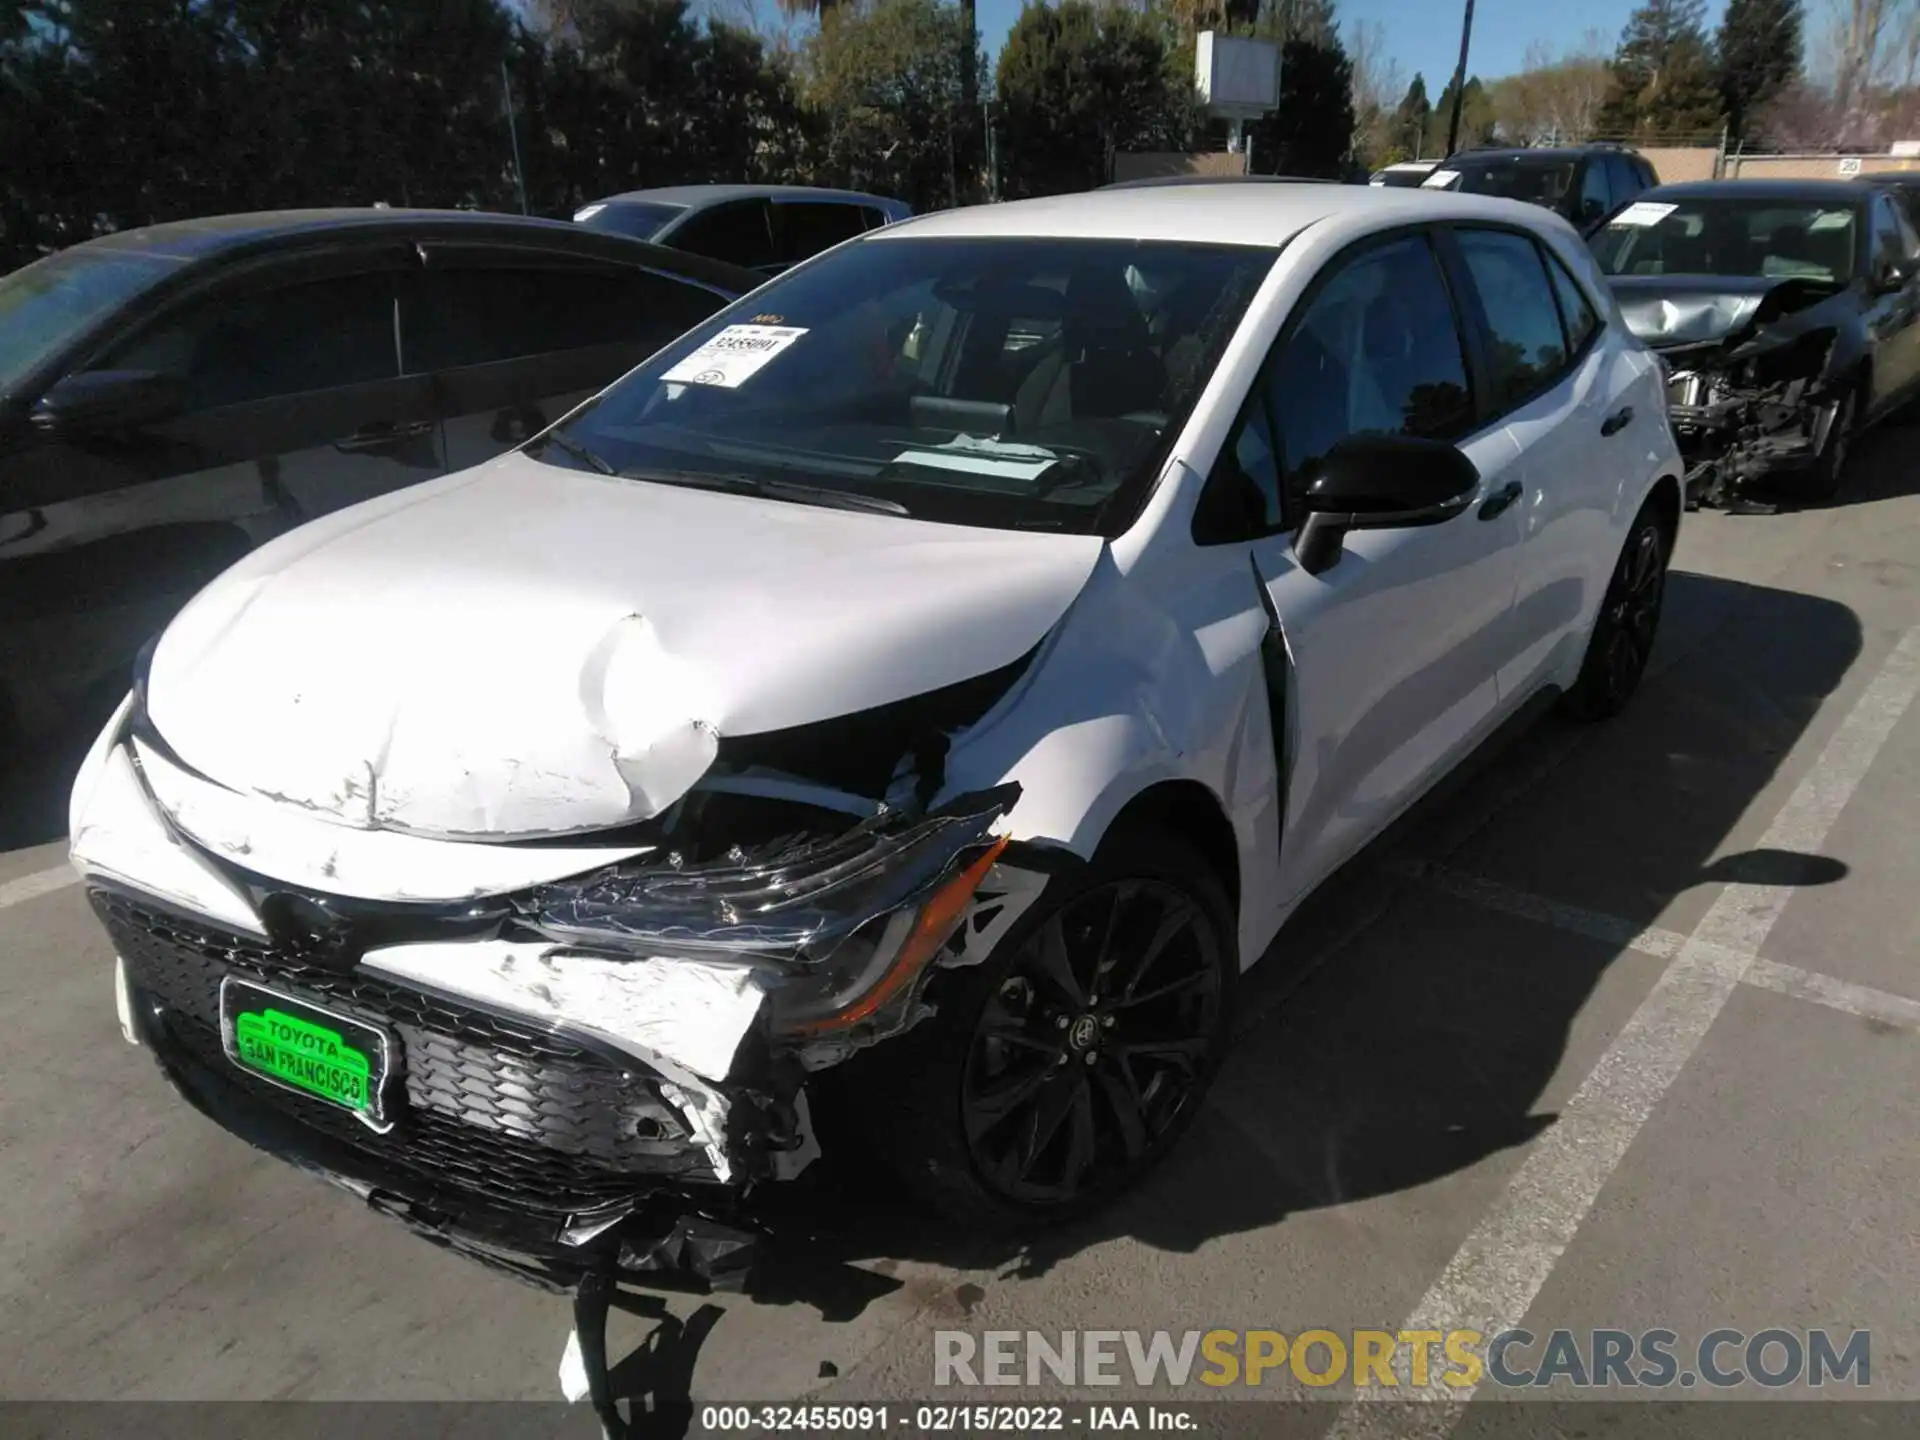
[843,923]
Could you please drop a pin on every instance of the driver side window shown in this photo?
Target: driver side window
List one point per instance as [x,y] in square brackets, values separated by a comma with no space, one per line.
[1376,350]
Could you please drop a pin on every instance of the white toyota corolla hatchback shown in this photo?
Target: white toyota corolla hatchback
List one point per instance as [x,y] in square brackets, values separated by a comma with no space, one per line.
[886,722]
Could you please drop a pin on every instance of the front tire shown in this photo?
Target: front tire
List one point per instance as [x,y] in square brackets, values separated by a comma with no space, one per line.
[1058,1072]
[1623,633]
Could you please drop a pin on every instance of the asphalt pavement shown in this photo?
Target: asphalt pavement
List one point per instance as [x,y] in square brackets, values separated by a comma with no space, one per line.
[1622,1031]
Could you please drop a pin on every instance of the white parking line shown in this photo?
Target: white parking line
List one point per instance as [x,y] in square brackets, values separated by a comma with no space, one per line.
[1827,990]
[41,882]
[1501,1266]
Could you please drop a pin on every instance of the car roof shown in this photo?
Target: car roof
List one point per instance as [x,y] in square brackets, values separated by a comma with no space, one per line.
[228,236]
[1529,152]
[1897,179]
[692,195]
[1148,182]
[1265,215]
[1839,192]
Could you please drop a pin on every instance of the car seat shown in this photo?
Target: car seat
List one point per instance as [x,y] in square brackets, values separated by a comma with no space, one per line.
[1105,365]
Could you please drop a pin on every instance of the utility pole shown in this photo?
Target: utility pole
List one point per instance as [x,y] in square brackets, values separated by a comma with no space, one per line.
[513,134]
[1460,81]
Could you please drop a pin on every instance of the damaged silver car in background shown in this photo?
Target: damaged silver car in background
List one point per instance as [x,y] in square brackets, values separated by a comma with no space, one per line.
[882,725]
[1785,314]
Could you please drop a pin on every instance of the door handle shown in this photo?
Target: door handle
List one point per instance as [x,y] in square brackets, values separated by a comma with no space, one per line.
[1497,502]
[384,436]
[1617,421]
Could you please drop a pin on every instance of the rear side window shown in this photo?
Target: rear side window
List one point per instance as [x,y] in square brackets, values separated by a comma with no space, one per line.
[263,343]
[873,219]
[1526,347]
[485,313]
[740,233]
[807,227]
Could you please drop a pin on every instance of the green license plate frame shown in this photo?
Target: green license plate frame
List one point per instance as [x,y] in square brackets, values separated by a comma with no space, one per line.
[307,1048]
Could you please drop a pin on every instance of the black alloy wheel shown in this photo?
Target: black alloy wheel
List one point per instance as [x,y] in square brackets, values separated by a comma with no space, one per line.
[1094,1045]
[1058,1070]
[1624,631]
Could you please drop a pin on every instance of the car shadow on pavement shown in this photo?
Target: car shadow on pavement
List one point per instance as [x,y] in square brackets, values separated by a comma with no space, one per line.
[1395,1035]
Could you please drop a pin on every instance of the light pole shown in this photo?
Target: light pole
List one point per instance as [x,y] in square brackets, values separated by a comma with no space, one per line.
[1460,81]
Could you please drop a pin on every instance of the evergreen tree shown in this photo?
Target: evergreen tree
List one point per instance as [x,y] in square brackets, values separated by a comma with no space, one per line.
[1760,50]
[1075,83]
[1665,83]
[1411,118]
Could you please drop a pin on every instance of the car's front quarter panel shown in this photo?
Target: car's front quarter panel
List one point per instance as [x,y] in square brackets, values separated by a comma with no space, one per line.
[1153,678]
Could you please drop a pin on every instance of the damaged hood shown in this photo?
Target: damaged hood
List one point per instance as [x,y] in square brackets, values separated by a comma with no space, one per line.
[524,650]
[1667,311]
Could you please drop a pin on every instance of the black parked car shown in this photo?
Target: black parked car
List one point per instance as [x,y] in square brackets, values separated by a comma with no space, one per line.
[1584,183]
[172,396]
[1785,313]
[764,227]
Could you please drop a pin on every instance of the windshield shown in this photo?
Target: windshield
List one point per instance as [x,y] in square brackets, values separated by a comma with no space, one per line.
[1538,182]
[1010,383]
[639,220]
[47,304]
[1757,239]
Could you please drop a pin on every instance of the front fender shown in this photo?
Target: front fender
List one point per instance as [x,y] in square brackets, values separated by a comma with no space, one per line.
[1140,685]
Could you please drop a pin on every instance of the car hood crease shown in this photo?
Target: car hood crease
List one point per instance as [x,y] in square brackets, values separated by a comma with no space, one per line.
[526,650]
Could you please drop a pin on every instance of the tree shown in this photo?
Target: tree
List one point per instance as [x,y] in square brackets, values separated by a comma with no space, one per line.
[1075,83]
[1476,118]
[1552,101]
[1760,46]
[1376,80]
[885,76]
[1410,119]
[1664,83]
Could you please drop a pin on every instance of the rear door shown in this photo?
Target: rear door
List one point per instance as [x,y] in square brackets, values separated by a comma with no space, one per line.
[1580,412]
[511,338]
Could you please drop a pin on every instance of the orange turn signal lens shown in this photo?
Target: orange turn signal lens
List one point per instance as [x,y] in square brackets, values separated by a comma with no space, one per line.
[938,919]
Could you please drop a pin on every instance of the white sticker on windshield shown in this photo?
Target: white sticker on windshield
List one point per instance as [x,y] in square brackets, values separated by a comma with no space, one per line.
[1831,220]
[983,457]
[1439,179]
[734,356]
[1643,212]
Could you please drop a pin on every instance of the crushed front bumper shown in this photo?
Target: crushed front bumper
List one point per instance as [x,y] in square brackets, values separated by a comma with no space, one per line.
[525,1149]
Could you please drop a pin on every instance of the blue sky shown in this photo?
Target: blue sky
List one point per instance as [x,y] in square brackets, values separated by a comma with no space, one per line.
[1424,35]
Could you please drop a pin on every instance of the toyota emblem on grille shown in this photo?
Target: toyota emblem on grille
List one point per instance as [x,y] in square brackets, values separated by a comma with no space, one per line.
[307,929]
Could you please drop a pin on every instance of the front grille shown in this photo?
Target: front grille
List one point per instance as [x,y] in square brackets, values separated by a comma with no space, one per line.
[498,1108]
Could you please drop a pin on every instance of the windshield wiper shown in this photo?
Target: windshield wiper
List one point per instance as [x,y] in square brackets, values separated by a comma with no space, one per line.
[734,482]
[577,451]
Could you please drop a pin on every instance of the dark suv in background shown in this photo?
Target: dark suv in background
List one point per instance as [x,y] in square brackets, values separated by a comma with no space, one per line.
[1584,183]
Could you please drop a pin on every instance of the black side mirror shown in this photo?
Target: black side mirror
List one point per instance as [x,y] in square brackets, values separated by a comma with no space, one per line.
[1381,482]
[1890,276]
[98,401]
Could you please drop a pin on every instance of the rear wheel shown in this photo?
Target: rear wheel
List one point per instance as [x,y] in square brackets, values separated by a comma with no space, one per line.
[1057,1072]
[1629,617]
